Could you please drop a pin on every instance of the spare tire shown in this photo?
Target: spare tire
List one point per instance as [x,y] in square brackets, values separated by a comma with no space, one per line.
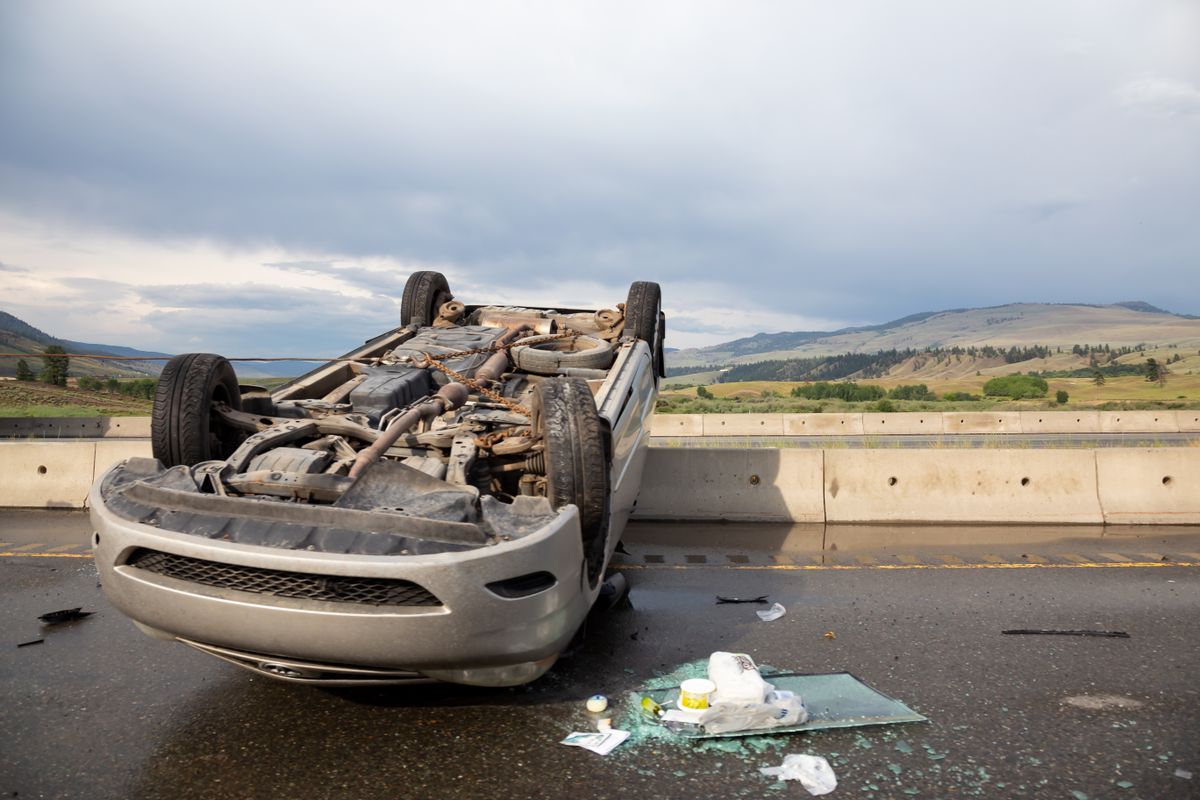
[425,293]
[183,427]
[564,413]
[644,320]
[576,352]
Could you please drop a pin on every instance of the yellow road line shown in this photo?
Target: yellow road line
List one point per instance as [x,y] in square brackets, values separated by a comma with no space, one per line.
[818,567]
[24,548]
[12,554]
[64,548]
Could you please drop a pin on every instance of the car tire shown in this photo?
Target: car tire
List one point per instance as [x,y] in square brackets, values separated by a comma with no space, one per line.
[644,320]
[546,358]
[425,293]
[564,413]
[183,427]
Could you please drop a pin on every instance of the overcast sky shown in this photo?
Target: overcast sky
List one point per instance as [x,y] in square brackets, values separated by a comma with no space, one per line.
[260,178]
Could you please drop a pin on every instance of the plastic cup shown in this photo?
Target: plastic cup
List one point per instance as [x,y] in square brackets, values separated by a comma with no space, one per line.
[694,693]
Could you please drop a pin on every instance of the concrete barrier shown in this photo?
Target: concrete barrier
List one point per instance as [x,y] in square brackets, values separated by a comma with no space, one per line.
[968,422]
[743,424]
[756,485]
[677,425]
[822,425]
[1060,421]
[75,427]
[1138,422]
[109,453]
[1157,486]
[1187,421]
[986,486]
[907,423]
[46,474]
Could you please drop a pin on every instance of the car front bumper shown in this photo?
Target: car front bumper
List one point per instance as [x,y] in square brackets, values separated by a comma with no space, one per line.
[474,635]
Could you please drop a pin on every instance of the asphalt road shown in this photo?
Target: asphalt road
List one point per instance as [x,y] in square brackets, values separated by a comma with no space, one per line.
[1074,441]
[98,710]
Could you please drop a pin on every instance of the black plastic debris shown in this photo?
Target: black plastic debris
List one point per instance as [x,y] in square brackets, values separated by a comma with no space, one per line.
[761,599]
[64,615]
[1108,634]
[31,641]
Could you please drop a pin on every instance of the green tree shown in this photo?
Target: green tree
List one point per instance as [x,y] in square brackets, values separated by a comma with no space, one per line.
[1061,397]
[1016,386]
[703,393]
[56,364]
[24,373]
[1098,378]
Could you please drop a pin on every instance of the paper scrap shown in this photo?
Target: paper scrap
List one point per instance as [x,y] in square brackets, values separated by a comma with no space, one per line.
[602,743]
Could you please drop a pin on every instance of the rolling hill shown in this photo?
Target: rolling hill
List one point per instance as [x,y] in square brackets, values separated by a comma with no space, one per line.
[1126,324]
[18,336]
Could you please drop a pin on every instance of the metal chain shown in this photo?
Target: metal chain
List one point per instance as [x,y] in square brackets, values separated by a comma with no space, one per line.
[516,408]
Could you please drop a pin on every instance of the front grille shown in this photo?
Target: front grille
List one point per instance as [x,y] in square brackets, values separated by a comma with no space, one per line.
[332,588]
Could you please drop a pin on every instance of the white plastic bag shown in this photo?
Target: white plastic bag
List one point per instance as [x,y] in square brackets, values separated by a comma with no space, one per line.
[773,613]
[737,679]
[780,711]
[813,772]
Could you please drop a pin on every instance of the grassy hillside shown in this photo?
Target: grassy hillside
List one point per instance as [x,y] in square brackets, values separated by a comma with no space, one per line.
[20,399]
[1017,325]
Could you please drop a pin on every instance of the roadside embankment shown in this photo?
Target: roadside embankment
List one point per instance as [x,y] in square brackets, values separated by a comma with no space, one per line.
[1128,485]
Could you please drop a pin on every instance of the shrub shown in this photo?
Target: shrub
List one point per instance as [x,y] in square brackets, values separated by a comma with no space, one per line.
[959,397]
[1016,386]
[24,373]
[703,393]
[843,390]
[914,391]
[1060,397]
[885,406]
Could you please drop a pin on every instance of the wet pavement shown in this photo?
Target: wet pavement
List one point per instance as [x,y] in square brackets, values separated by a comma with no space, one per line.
[97,710]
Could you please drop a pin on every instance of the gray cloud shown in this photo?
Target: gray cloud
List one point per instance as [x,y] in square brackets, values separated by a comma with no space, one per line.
[10,268]
[799,158]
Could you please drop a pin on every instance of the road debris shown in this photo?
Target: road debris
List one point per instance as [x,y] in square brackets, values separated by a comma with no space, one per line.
[597,703]
[1032,632]
[64,615]
[761,599]
[599,742]
[813,772]
[31,641]
[750,702]
[830,635]
[771,614]
[1180,772]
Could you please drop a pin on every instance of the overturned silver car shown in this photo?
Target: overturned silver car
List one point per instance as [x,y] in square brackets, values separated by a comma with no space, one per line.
[441,503]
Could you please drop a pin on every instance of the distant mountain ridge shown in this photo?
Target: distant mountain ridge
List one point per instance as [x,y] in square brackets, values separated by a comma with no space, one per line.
[17,335]
[1129,322]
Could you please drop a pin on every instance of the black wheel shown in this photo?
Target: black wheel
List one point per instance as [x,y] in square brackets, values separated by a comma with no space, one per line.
[644,319]
[184,429]
[424,295]
[565,414]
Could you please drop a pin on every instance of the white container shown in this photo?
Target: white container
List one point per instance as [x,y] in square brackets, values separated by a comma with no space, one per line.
[737,679]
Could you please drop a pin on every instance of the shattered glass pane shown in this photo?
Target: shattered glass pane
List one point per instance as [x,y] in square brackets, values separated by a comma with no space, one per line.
[834,700]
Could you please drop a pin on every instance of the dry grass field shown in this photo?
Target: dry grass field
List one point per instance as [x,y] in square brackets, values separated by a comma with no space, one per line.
[22,399]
